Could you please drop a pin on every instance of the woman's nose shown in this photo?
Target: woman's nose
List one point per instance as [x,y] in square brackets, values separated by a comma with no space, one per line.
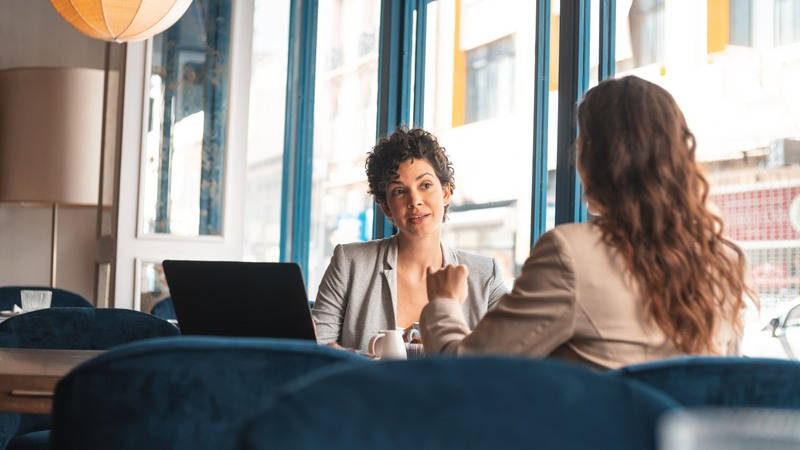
[414,200]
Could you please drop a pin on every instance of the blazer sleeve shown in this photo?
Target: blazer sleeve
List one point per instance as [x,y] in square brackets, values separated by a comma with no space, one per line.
[331,301]
[536,317]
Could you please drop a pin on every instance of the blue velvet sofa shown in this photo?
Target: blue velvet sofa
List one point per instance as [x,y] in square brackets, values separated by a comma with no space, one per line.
[190,392]
[459,403]
[728,382]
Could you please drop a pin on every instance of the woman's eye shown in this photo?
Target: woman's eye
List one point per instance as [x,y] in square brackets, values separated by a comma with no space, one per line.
[397,192]
[427,185]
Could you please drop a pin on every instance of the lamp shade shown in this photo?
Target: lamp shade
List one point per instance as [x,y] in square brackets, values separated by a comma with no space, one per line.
[51,122]
[121,20]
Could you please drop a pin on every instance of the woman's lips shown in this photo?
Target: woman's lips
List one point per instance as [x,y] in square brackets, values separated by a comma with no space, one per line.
[417,219]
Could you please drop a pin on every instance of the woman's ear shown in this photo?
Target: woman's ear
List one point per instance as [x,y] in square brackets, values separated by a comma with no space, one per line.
[385,208]
[446,194]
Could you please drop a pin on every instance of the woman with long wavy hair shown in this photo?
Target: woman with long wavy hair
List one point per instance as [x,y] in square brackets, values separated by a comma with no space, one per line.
[652,276]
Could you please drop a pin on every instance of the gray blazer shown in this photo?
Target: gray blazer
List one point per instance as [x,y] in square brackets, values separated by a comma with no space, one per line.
[358,293]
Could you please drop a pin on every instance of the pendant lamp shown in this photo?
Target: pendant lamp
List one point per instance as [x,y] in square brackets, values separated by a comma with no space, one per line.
[121,20]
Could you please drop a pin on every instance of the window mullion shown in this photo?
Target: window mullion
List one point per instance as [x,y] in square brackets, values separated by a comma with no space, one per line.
[540,113]
[573,80]
[298,134]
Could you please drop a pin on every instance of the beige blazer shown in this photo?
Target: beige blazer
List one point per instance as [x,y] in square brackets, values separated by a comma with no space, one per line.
[573,300]
[358,294]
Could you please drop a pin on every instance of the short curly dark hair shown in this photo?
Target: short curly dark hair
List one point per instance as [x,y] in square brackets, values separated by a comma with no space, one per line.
[399,147]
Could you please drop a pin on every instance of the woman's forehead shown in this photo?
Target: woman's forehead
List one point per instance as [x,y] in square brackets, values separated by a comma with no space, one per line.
[412,169]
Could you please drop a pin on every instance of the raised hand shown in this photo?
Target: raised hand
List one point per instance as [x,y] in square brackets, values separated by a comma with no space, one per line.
[448,282]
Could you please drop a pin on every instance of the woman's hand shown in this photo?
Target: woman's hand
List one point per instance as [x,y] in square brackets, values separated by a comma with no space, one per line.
[448,282]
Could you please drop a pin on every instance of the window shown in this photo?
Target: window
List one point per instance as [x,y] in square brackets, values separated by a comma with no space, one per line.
[490,80]
[479,102]
[183,168]
[345,112]
[787,22]
[262,214]
[647,31]
[741,105]
[741,19]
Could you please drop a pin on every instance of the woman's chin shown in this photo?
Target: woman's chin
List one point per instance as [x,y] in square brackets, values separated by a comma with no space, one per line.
[419,231]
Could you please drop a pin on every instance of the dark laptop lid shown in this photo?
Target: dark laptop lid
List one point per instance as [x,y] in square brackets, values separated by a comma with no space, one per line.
[222,298]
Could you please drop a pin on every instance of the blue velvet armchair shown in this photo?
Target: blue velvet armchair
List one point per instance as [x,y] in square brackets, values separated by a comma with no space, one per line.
[68,328]
[164,309]
[448,403]
[193,392]
[728,382]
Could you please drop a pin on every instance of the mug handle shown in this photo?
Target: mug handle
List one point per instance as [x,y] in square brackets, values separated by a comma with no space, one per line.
[373,342]
[413,334]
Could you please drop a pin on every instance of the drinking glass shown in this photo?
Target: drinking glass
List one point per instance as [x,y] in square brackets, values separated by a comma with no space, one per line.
[33,300]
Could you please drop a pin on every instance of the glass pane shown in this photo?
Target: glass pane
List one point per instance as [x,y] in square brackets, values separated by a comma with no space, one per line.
[479,103]
[153,285]
[742,104]
[262,216]
[552,115]
[187,105]
[345,114]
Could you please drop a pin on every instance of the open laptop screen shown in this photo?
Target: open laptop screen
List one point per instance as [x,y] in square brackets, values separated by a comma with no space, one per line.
[249,299]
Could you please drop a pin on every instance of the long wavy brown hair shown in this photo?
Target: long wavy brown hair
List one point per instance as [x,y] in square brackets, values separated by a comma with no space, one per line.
[636,157]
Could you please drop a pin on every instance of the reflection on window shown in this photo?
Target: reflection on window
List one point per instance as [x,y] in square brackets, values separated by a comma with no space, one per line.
[262,212]
[742,104]
[345,111]
[490,80]
[182,191]
[153,285]
[647,31]
[787,22]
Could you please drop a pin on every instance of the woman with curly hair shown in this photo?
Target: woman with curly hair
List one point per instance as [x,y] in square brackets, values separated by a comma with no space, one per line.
[380,284]
[651,277]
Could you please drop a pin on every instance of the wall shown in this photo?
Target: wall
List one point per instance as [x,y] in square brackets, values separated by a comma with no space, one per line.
[33,34]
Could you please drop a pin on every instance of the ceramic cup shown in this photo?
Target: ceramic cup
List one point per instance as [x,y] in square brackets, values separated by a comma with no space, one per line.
[388,344]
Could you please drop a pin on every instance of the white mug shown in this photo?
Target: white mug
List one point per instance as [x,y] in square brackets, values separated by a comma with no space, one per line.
[388,344]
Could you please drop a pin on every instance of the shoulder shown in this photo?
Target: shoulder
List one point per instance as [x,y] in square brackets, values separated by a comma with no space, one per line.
[581,230]
[583,235]
[361,252]
[481,266]
[363,248]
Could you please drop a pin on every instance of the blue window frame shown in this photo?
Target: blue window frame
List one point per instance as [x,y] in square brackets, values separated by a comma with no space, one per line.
[401,73]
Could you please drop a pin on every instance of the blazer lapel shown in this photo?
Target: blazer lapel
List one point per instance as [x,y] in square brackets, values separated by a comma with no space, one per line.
[448,255]
[390,278]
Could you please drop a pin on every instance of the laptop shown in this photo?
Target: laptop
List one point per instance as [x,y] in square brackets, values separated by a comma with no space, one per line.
[246,299]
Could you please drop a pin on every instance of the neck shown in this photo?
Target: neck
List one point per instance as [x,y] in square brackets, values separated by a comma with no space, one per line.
[418,253]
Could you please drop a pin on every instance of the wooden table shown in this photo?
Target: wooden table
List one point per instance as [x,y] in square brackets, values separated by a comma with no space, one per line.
[29,376]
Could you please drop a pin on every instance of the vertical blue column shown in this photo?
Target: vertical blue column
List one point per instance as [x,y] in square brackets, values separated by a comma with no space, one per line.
[540,113]
[299,134]
[394,80]
[608,18]
[573,80]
